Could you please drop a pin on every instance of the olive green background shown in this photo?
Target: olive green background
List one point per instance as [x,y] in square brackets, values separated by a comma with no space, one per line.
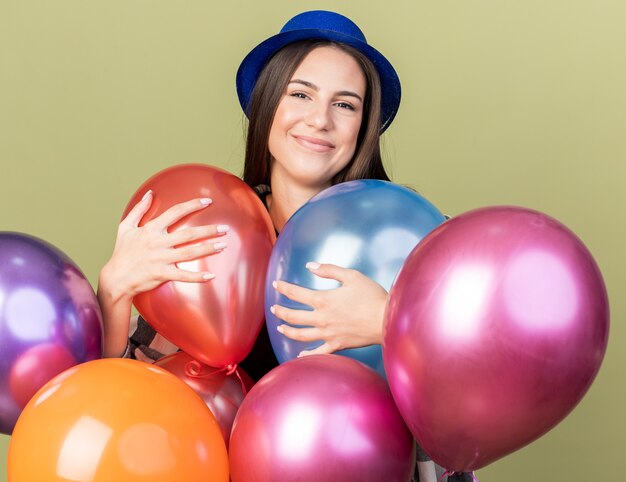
[504,102]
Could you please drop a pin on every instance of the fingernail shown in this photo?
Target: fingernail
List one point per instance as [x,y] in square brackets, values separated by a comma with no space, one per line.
[280,329]
[312,265]
[148,193]
[223,228]
[275,284]
[273,310]
[219,246]
[205,201]
[208,276]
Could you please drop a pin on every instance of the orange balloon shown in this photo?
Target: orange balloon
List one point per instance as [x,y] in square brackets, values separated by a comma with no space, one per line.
[222,392]
[116,420]
[218,321]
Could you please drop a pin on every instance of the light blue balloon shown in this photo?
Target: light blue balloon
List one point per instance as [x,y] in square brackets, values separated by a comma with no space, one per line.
[367,225]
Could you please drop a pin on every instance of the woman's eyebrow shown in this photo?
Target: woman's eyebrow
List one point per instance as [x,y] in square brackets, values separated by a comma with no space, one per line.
[311,85]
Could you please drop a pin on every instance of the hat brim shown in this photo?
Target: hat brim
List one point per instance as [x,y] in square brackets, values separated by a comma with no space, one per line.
[253,63]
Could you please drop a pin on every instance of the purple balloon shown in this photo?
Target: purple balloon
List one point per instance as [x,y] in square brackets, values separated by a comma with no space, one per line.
[50,320]
[320,417]
[496,327]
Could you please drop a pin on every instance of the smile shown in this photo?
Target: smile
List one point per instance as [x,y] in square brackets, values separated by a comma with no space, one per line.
[314,144]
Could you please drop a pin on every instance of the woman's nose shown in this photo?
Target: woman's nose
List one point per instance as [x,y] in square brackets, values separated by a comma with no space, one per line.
[319,116]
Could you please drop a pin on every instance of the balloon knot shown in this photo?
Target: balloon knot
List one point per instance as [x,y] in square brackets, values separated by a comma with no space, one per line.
[449,473]
[446,474]
[193,369]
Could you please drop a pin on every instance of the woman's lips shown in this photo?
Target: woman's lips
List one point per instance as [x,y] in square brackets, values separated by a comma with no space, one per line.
[314,143]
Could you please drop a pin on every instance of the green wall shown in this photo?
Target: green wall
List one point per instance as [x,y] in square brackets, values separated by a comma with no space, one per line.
[505,102]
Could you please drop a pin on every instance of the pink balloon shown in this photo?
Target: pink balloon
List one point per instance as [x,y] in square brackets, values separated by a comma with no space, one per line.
[321,417]
[222,392]
[496,327]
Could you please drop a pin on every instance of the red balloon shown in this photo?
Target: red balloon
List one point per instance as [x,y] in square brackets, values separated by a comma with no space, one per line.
[320,418]
[222,392]
[217,321]
[35,367]
[496,327]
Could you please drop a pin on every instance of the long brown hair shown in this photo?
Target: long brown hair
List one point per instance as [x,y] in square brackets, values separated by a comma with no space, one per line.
[269,89]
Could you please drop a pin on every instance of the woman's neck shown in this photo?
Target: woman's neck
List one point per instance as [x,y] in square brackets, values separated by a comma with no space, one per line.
[286,199]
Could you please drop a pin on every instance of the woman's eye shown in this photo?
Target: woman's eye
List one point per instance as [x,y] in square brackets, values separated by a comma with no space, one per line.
[345,105]
[299,95]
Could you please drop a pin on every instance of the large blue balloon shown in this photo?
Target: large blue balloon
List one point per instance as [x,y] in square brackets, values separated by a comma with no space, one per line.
[49,320]
[367,225]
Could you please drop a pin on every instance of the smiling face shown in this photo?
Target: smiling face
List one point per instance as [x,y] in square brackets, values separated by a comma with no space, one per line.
[315,129]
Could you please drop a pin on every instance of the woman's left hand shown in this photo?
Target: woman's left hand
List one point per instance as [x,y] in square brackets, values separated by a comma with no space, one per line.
[349,316]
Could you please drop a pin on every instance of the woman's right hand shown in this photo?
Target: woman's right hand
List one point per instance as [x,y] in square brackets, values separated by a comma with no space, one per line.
[145,257]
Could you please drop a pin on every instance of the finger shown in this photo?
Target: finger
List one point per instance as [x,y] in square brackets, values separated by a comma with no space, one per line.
[299,334]
[197,233]
[294,317]
[134,216]
[331,271]
[296,293]
[179,211]
[324,349]
[176,274]
[188,253]
[140,355]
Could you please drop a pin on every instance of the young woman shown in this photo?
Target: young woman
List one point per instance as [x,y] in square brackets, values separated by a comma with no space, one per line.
[317,97]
